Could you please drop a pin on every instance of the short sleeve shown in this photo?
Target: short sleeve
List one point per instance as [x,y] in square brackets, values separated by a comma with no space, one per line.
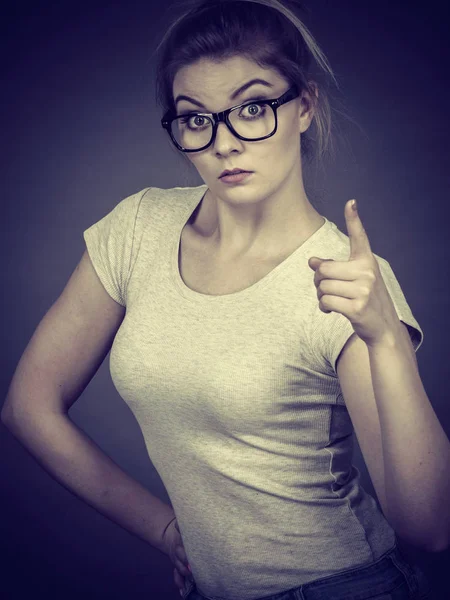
[334,329]
[109,243]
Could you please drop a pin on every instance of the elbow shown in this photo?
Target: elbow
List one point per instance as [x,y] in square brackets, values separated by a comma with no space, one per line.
[5,416]
[425,543]
[442,537]
[434,546]
[8,418]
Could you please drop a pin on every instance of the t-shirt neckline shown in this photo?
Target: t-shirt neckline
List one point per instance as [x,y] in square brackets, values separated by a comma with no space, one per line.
[195,296]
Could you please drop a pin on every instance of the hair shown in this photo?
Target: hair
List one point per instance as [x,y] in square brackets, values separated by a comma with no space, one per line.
[264,31]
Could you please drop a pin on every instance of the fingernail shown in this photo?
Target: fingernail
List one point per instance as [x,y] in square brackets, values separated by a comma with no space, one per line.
[189,567]
[181,593]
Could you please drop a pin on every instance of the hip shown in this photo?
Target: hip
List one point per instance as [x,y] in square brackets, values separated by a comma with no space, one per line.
[391,577]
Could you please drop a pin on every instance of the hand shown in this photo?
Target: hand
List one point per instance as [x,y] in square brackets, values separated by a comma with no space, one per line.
[355,288]
[174,548]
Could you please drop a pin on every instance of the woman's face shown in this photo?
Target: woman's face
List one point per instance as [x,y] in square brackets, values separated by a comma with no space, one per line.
[271,160]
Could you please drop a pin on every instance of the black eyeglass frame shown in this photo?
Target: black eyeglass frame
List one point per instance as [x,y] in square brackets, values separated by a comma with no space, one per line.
[275,103]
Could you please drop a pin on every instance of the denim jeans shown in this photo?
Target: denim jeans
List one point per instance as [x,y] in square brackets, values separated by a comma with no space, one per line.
[391,577]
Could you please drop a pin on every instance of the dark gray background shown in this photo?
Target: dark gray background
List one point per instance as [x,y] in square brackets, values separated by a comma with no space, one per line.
[80,131]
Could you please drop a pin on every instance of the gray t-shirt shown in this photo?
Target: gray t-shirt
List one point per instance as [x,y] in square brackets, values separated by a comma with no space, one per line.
[239,403]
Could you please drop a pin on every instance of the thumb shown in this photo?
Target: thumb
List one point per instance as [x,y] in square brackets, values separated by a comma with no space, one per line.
[315,261]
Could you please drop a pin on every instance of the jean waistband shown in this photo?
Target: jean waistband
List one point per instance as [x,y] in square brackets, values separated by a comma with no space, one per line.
[382,576]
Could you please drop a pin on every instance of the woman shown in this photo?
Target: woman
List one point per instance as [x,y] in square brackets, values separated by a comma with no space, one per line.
[282,506]
[257,337]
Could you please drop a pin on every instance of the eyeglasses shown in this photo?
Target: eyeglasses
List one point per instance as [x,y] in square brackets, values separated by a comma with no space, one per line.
[188,135]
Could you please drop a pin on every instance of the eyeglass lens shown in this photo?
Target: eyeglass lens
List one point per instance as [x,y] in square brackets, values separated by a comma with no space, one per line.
[251,121]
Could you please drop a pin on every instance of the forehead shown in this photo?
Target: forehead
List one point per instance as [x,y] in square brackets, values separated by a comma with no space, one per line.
[207,79]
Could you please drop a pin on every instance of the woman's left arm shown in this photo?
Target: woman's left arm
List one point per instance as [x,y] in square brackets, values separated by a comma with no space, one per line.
[406,451]
[416,449]
[392,413]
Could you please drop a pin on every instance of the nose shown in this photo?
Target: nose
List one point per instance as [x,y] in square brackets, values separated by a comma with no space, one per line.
[225,137]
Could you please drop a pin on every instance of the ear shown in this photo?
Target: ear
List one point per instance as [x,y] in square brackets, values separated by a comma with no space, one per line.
[308,106]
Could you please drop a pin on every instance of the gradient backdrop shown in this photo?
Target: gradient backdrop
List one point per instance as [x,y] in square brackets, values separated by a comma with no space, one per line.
[80,131]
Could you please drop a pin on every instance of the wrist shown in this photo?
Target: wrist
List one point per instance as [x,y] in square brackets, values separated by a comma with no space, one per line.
[163,535]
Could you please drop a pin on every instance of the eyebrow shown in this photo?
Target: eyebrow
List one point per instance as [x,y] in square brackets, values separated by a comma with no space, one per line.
[233,95]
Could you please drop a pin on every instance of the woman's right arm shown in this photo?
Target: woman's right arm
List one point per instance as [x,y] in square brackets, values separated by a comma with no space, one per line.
[64,353]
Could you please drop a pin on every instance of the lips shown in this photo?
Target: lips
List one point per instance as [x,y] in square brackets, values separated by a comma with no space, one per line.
[235,172]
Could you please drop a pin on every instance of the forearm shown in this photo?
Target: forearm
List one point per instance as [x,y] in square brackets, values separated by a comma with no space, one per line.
[75,461]
[416,449]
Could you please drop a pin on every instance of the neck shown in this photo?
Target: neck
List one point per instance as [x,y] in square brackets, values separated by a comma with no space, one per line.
[261,227]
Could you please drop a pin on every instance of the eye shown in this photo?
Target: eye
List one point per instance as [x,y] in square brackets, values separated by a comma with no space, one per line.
[194,121]
[253,109]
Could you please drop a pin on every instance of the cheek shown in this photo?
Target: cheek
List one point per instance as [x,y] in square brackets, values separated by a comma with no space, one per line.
[283,147]
[290,132]
[199,162]
[207,167]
